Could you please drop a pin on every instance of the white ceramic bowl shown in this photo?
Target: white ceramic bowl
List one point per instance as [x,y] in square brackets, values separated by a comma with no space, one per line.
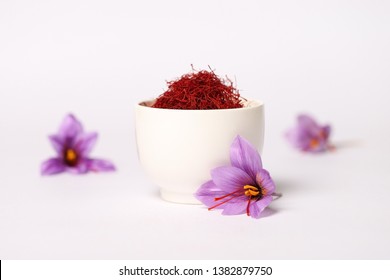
[178,148]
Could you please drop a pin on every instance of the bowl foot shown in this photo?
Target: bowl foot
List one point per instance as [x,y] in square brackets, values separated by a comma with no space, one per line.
[184,198]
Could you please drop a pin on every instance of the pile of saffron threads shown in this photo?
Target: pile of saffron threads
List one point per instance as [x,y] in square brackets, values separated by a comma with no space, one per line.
[199,90]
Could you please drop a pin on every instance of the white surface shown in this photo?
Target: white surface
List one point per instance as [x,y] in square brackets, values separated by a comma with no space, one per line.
[98,58]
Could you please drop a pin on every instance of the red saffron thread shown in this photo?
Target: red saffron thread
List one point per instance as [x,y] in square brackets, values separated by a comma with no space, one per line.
[247,207]
[229,194]
[223,202]
[232,194]
[200,90]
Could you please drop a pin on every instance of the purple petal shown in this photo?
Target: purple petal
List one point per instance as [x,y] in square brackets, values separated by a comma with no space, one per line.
[70,128]
[100,165]
[326,131]
[309,126]
[57,143]
[230,178]
[52,166]
[264,180]
[207,192]
[85,143]
[299,137]
[308,123]
[257,207]
[82,167]
[294,136]
[236,208]
[244,156]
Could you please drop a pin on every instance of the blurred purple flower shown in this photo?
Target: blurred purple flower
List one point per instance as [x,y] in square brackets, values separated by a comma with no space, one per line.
[73,146]
[308,136]
[244,187]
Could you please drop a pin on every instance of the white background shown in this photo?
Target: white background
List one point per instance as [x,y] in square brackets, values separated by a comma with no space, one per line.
[98,58]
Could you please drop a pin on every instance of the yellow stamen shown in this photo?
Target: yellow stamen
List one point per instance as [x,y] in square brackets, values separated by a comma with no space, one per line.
[314,143]
[249,187]
[70,155]
[251,190]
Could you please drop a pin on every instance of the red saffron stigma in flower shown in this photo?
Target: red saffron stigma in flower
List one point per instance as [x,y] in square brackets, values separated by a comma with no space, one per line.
[199,90]
[223,202]
[222,197]
[247,207]
[229,194]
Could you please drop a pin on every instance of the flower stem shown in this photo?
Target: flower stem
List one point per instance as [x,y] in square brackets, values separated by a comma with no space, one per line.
[277,195]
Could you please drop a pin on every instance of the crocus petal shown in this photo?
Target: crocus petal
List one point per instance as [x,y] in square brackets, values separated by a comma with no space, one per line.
[100,165]
[208,192]
[57,143]
[308,124]
[326,131]
[300,137]
[52,166]
[85,143]
[257,207]
[236,208]
[244,156]
[306,120]
[82,166]
[70,128]
[230,178]
[264,180]
[297,138]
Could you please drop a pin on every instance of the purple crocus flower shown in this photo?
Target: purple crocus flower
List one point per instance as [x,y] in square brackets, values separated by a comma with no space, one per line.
[308,136]
[243,187]
[73,146]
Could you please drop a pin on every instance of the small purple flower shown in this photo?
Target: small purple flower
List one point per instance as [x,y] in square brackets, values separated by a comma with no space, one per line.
[73,146]
[244,187]
[308,136]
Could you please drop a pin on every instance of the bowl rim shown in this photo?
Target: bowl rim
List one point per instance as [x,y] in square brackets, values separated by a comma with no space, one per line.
[250,105]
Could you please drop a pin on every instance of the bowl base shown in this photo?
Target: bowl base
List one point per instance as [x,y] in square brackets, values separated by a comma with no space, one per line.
[183,198]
